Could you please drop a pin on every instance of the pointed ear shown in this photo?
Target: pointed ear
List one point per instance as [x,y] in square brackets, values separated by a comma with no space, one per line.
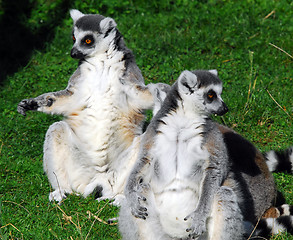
[75,15]
[106,24]
[187,82]
[214,71]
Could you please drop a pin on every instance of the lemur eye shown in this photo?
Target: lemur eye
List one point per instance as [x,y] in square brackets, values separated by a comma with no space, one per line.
[88,41]
[73,38]
[211,95]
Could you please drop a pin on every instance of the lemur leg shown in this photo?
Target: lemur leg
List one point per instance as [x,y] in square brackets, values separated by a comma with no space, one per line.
[127,223]
[56,159]
[101,182]
[64,162]
[102,187]
[133,228]
[226,219]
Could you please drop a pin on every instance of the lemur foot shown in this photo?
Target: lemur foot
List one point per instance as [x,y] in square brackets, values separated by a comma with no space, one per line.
[57,196]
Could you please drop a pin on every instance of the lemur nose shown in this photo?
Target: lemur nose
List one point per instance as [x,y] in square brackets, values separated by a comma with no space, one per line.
[75,53]
[224,109]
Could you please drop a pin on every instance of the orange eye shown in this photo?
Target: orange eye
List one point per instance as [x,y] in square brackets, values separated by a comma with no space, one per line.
[73,38]
[211,96]
[88,41]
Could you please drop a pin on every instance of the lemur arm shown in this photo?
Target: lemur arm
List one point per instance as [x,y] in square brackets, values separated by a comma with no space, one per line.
[146,97]
[59,102]
[210,185]
[143,96]
[215,173]
[137,184]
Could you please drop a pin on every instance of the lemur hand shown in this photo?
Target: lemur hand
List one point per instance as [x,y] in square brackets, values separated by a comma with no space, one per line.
[198,224]
[137,208]
[26,105]
[34,104]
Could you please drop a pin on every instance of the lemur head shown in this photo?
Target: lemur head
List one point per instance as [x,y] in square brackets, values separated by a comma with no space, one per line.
[92,34]
[202,91]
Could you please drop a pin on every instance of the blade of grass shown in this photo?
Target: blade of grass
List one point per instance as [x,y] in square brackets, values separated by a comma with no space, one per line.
[278,103]
[281,50]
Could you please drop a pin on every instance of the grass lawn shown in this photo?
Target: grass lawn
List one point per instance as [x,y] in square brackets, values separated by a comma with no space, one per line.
[249,43]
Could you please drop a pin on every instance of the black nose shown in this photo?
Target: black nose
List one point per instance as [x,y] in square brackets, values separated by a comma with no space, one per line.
[75,53]
[223,109]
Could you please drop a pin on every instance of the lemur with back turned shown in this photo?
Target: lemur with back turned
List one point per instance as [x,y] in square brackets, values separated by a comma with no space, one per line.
[194,178]
[95,145]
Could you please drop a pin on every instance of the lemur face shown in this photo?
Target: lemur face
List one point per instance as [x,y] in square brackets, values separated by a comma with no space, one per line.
[213,101]
[202,89]
[84,43]
[91,34]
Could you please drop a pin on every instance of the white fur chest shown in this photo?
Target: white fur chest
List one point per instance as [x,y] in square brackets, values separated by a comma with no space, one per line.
[178,153]
[178,171]
[94,120]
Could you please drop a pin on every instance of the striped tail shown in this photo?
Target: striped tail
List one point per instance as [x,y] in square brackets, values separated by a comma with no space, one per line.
[275,221]
[270,226]
[275,212]
[280,161]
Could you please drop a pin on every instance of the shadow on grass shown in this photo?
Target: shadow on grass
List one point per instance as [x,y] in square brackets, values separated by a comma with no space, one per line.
[17,41]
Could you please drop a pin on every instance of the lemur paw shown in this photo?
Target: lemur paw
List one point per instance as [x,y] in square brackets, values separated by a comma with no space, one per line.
[119,198]
[57,196]
[198,224]
[26,105]
[112,200]
[137,208]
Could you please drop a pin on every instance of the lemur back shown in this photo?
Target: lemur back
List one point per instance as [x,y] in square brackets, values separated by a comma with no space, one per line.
[195,178]
[103,105]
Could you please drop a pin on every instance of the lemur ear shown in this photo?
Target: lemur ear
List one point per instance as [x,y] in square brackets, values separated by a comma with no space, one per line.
[106,24]
[187,82]
[75,15]
[214,71]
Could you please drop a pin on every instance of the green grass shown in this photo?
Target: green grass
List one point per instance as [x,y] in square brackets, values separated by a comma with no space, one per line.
[166,37]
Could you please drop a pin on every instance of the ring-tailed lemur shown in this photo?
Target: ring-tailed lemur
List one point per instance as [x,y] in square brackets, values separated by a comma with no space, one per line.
[94,147]
[195,178]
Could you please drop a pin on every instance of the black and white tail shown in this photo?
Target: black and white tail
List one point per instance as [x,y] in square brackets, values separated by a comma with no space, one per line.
[284,210]
[280,161]
[282,222]
[271,226]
